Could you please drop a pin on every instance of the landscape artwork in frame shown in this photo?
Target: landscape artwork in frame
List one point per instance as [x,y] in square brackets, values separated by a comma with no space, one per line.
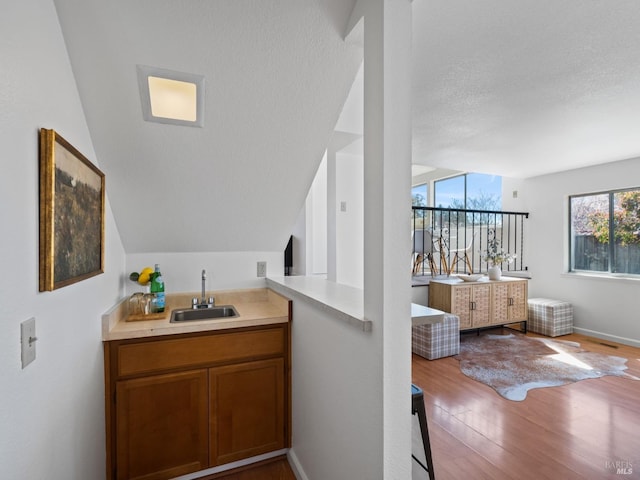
[71,214]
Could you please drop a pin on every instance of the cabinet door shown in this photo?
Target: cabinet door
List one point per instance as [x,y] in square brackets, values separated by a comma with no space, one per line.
[518,301]
[247,410]
[162,425]
[481,299]
[461,297]
[500,310]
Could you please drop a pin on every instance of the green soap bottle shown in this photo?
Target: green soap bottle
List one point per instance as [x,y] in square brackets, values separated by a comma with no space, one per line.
[157,287]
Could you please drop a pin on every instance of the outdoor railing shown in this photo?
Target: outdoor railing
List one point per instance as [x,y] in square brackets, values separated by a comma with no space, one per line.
[451,240]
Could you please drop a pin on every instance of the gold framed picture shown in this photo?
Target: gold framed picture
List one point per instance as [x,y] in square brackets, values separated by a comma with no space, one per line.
[71,214]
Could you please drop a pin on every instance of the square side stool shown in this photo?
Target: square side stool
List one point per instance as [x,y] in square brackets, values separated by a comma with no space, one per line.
[437,340]
[550,317]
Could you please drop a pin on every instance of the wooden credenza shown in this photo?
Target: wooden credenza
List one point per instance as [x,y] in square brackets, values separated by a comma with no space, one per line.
[481,304]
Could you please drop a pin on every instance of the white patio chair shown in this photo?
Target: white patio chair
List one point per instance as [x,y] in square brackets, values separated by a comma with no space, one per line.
[463,254]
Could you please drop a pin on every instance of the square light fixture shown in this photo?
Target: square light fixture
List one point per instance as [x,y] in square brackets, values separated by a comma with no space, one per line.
[171,97]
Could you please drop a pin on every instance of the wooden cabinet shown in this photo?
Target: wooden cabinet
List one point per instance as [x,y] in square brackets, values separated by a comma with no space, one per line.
[483,303]
[469,301]
[183,403]
[248,401]
[509,302]
[161,425]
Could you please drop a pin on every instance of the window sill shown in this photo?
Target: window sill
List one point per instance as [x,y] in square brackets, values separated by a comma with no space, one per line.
[619,277]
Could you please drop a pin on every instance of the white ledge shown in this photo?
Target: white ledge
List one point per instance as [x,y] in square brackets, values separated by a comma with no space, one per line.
[342,301]
[605,276]
[421,315]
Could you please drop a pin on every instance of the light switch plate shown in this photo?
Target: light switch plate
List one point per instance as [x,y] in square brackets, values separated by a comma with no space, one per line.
[262,269]
[28,341]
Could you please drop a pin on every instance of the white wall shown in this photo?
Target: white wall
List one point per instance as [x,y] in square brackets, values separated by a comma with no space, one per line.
[349,224]
[316,222]
[52,412]
[351,407]
[604,307]
[511,187]
[333,239]
[337,399]
[182,272]
[300,243]
[387,187]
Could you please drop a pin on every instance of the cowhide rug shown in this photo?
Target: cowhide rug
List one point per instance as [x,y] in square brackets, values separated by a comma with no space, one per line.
[514,364]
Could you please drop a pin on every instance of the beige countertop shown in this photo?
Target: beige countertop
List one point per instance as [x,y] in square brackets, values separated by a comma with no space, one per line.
[259,306]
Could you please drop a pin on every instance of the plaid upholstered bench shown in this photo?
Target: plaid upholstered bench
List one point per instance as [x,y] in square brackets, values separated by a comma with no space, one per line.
[550,317]
[437,340]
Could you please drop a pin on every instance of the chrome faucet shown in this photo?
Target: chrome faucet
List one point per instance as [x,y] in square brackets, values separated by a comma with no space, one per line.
[204,302]
[204,281]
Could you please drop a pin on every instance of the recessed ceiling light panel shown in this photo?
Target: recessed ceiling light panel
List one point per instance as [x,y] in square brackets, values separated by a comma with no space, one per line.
[171,97]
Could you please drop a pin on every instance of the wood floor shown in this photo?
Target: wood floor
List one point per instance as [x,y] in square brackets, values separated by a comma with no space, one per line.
[577,431]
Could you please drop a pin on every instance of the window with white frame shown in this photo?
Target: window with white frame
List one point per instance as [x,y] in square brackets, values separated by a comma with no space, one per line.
[605,232]
[472,191]
[419,195]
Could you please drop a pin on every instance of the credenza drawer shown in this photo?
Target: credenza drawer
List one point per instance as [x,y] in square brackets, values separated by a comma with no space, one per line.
[196,351]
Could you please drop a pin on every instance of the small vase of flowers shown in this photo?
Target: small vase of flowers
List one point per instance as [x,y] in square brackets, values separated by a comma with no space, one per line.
[495,256]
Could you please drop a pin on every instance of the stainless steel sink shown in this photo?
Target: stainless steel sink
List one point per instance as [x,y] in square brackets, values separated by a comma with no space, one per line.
[212,313]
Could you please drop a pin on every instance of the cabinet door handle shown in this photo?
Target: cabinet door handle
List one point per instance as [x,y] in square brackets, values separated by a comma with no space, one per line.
[472,305]
[510,301]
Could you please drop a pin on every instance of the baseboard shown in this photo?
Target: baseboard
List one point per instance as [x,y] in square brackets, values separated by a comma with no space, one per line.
[231,466]
[298,471]
[604,336]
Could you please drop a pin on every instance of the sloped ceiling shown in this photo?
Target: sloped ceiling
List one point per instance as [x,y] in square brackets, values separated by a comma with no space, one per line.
[522,88]
[503,87]
[276,73]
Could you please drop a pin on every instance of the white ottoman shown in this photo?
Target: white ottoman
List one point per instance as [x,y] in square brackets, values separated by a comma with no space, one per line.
[437,340]
[550,317]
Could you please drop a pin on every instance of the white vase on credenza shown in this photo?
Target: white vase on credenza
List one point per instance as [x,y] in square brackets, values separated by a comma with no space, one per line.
[494,272]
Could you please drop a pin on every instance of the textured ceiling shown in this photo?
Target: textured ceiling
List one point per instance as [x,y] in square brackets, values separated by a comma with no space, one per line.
[277,74]
[521,88]
[511,88]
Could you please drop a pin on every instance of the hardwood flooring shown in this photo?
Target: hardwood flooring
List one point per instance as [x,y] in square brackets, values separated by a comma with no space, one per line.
[584,430]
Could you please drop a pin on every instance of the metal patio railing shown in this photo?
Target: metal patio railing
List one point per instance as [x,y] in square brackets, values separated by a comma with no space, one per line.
[451,240]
